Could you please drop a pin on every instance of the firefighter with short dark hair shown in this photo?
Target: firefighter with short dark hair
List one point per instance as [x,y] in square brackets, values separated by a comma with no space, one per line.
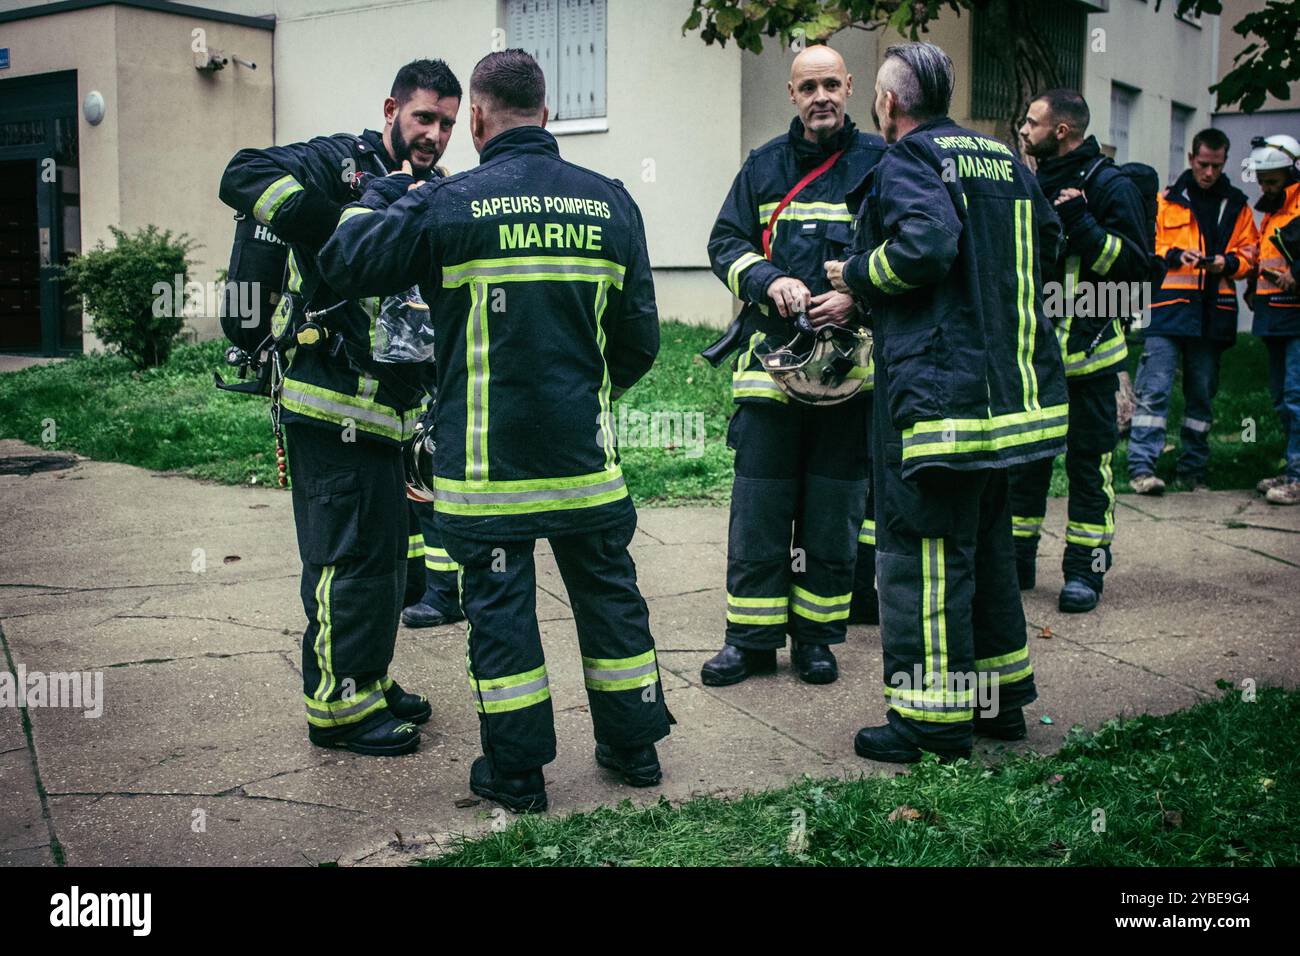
[951,238]
[539,285]
[345,415]
[1101,210]
[801,470]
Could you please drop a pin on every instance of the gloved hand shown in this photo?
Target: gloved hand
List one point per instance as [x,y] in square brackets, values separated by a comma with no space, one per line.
[383,191]
[1072,212]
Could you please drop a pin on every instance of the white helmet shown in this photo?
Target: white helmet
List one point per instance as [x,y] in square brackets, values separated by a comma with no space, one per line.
[1273,152]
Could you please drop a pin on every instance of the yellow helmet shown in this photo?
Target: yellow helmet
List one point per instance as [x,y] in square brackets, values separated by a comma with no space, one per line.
[821,367]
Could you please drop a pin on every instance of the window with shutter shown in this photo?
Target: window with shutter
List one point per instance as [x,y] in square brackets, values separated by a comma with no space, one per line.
[568,40]
[1123,100]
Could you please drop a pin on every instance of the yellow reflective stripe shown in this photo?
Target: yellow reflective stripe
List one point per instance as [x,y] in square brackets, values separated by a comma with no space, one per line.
[1109,253]
[323,645]
[529,496]
[340,408]
[947,697]
[499,695]
[476,385]
[1025,303]
[349,710]
[273,197]
[414,545]
[350,211]
[818,211]
[1008,667]
[931,712]
[437,559]
[534,269]
[620,673]
[295,274]
[757,610]
[970,435]
[1111,351]
[867,534]
[934,614]
[882,273]
[819,607]
[606,414]
[756,384]
[738,268]
[1026,526]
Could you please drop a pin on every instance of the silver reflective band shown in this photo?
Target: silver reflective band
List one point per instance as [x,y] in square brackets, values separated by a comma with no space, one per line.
[544,494]
[1148,421]
[458,275]
[1196,425]
[621,674]
[961,434]
[367,701]
[509,693]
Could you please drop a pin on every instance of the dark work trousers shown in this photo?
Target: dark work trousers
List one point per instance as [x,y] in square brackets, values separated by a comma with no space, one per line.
[864,571]
[351,522]
[430,571]
[952,627]
[1089,457]
[797,504]
[507,669]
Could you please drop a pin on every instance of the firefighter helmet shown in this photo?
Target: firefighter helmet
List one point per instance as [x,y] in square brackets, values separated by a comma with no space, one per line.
[1273,152]
[417,461]
[825,366]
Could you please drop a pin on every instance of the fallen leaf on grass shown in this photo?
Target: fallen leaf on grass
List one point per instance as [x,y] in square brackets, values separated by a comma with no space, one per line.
[904,813]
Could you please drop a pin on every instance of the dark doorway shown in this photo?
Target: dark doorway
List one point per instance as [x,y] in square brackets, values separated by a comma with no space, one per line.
[40,215]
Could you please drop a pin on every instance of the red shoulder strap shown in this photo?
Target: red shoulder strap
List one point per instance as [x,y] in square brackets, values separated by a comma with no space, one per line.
[798,188]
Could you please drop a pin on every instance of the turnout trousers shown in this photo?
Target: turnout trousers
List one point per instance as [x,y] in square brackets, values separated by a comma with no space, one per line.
[1089,457]
[348,512]
[864,571]
[507,668]
[430,571]
[797,508]
[952,627]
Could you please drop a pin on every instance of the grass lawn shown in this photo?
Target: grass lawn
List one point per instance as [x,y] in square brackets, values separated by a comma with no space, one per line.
[172,418]
[1216,785]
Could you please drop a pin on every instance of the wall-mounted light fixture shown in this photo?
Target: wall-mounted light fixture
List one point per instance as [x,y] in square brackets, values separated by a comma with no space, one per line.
[92,107]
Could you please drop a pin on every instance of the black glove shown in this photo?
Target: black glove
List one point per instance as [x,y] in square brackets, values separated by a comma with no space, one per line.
[1072,212]
[382,191]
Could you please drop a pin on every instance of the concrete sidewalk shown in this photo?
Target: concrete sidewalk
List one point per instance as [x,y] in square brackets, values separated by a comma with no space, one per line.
[185,596]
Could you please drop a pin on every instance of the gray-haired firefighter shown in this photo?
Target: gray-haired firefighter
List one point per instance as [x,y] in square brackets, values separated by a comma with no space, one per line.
[801,470]
[951,236]
[345,416]
[1106,241]
[542,300]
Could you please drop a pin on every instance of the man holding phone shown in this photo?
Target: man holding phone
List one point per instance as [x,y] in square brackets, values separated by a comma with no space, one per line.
[1206,233]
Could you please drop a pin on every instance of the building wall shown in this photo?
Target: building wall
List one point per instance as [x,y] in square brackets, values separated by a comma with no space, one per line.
[168,130]
[1166,59]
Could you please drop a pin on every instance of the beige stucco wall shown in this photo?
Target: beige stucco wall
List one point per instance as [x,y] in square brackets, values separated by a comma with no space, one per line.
[168,130]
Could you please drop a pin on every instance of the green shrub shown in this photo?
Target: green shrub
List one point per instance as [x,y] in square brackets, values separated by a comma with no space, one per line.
[123,292]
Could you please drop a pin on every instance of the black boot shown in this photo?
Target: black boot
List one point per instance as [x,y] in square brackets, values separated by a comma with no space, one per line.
[1007,725]
[886,744]
[523,792]
[814,663]
[426,615]
[733,664]
[412,708]
[638,765]
[381,736]
[1078,596]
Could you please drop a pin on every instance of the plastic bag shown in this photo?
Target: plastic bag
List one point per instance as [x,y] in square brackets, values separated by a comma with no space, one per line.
[403,329]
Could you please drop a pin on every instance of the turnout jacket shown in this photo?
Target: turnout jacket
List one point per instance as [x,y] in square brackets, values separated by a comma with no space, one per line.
[539,285]
[1192,302]
[812,229]
[1105,243]
[298,191]
[952,235]
[1277,312]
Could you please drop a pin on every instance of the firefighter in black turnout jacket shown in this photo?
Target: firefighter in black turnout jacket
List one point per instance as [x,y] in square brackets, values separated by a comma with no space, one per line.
[539,283]
[950,240]
[345,416]
[1102,213]
[801,470]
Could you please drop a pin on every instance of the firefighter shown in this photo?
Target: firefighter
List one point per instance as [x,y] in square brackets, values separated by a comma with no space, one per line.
[1102,213]
[801,470]
[951,239]
[1206,234]
[345,416]
[1276,303]
[543,308]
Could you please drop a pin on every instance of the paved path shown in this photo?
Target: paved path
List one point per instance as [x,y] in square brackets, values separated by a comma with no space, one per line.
[200,756]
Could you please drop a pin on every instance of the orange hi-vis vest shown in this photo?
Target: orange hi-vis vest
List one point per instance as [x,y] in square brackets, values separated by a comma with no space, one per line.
[1278,312]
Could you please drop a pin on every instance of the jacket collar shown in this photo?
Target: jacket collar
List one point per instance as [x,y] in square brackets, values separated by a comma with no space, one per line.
[811,153]
[521,139]
[934,124]
[1180,191]
[375,140]
[1061,172]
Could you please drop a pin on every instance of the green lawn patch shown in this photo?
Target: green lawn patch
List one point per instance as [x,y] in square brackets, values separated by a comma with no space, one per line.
[172,419]
[1215,785]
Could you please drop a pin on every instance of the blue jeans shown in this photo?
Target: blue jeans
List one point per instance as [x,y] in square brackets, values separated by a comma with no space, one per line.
[1284,388]
[1154,385]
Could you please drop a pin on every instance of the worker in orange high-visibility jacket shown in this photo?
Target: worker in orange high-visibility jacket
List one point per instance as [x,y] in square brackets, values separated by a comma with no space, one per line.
[1206,234]
[1276,297]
